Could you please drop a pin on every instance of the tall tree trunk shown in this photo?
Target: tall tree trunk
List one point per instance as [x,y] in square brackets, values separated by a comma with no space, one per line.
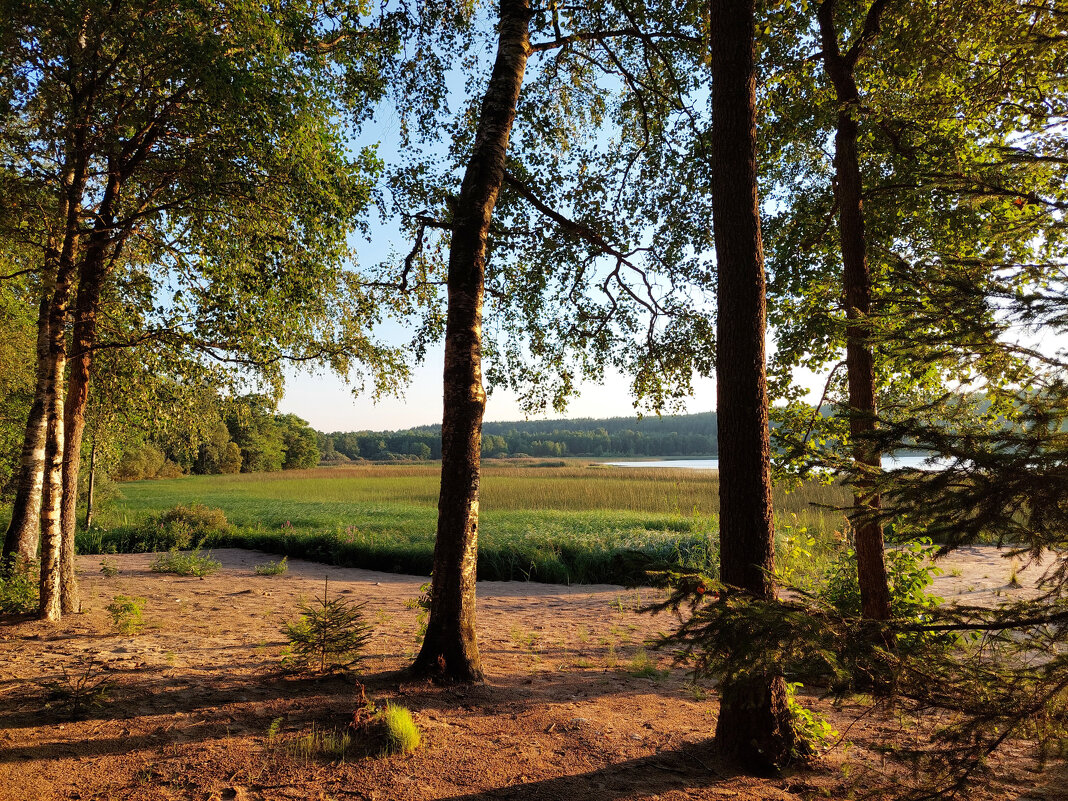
[51,505]
[81,361]
[23,533]
[450,649]
[856,279]
[92,486]
[754,728]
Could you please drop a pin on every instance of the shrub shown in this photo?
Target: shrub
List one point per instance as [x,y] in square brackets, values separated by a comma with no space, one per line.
[126,614]
[186,563]
[109,568]
[909,570]
[272,568]
[18,587]
[181,526]
[328,637]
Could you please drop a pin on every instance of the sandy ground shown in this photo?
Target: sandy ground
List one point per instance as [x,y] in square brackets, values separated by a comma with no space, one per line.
[563,714]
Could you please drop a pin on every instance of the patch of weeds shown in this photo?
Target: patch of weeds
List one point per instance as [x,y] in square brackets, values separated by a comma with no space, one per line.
[696,691]
[328,637]
[18,587]
[813,734]
[642,665]
[610,658]
[524,639]
[126,614]
[583,634]
[422,603]
[80,692]
[583,662]
[329,744]
[385,730]
[109,568]
[186,563]
[272,568]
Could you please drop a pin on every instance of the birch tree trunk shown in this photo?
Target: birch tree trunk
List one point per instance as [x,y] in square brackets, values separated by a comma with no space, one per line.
[754,728]
[450,648]
[24,531]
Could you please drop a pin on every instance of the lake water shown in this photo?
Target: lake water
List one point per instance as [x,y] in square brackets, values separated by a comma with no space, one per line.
[889,463]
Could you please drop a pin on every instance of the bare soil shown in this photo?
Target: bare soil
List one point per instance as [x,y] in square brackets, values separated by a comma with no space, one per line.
[566,712]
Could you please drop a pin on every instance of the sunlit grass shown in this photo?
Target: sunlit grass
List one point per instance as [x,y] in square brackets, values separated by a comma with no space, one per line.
[576,523]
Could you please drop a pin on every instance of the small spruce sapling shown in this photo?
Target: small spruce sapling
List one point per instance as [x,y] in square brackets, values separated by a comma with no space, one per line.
[328,637]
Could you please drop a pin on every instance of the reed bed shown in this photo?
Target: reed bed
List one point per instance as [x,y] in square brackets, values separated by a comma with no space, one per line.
[576,523]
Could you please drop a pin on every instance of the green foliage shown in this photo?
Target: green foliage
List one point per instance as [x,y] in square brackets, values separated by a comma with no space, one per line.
[570,524]
[127,614]
[812,733]
[19,586]
[109,568]
[328,637]
[401,734]
[186,563]
[422,603]
[272,568]
[182,525]
[909,567]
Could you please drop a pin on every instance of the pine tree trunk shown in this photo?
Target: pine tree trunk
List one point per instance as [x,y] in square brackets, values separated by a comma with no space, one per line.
[92,487]
[754,728]
[24,530]
[860,365]
[450,649]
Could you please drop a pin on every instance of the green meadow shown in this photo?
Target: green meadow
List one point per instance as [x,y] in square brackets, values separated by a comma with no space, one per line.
[570,522]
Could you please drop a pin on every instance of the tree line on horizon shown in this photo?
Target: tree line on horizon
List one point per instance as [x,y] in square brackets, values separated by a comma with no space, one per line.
[182,203]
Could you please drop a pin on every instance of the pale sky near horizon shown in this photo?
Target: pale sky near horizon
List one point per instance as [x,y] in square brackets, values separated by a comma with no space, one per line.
[327,403]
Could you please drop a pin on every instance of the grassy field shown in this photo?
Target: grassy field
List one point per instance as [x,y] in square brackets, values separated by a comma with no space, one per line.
[576,523]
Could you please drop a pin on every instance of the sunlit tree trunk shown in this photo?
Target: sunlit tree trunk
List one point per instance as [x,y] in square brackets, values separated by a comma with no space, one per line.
[753,728]
[450,649]
[856,279]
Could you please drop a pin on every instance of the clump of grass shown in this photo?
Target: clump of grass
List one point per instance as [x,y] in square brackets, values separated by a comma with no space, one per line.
[328,637]
[109,568]
[186,563]
[272,568]
[643,666]
[18,587]
[321,744]
[126,614]
[401,734]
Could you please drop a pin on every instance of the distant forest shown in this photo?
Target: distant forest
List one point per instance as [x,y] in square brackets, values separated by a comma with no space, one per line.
[676,435]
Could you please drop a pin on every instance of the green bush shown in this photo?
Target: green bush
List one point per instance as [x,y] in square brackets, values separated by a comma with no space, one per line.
[186,563]
[18,587]
[328,637]
[909,570]
[182,525]
[272,568]
[126,614]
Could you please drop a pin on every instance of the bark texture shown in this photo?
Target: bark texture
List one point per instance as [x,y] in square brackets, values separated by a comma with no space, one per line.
[24,531]
[450,648]
[856,280]
[754,728]
[91,277]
